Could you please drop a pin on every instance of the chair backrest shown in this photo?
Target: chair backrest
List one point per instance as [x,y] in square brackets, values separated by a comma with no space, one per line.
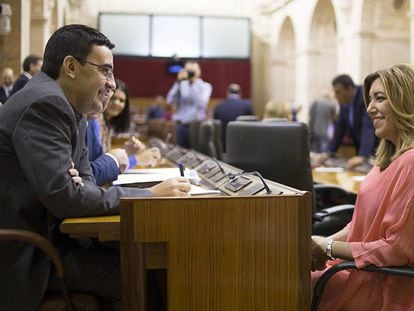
[247,118]
[278,150]
[55,301]
[217,138]
[206,139]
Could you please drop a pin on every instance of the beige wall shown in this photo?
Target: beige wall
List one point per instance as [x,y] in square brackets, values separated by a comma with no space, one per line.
[297,45]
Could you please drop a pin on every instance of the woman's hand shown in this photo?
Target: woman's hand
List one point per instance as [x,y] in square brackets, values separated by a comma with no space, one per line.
[149,157]
[133,146]
[318,253]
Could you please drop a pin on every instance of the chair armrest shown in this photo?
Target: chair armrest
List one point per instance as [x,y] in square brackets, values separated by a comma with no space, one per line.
[404,271]
[38,240]
[330,195]
[334,210]
[328,187]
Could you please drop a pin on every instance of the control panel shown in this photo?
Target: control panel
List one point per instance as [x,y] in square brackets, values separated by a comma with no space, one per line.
[227,178]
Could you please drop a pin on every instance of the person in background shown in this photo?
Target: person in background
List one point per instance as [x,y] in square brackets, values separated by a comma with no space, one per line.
[190,94]
[352,120]
[115,120]
[322,115]
[232,107]
[31,66]
[277,110]
[7,80]
[294,110]
[156,110]
[380,232]
[46,175]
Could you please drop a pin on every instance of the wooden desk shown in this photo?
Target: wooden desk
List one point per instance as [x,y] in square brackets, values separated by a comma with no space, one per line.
[220,253]
[105,228]
[348,180]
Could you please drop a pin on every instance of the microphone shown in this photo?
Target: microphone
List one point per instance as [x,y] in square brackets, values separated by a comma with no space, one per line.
[228,175]
[256,173]
[219,166]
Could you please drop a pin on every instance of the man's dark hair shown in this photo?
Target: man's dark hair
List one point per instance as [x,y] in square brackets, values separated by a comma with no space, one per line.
[30,60]
[76,40]
[345,80]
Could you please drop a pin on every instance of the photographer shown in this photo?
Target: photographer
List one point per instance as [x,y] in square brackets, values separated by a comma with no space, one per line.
[190,94]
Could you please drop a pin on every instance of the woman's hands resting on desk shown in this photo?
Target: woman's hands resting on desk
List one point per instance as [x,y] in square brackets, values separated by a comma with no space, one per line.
[133,146]
[145,157]
[173,187]
[149,157]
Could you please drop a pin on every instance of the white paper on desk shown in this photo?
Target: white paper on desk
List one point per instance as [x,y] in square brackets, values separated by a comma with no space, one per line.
[175,171]
[157,176]
[125,179]
[197,190]
[327,169]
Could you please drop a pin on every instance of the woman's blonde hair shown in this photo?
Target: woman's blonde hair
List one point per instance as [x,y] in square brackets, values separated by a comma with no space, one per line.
[277,109]
[398,82]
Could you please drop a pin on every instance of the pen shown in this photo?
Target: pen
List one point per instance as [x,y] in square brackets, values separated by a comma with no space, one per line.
[181,167]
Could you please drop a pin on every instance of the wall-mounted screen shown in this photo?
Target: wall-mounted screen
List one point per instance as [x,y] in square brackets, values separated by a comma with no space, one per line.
[183,36]
[178,35]
[129,32]
[226,37]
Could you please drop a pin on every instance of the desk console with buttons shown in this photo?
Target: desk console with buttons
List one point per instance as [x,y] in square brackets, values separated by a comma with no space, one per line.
[224,177]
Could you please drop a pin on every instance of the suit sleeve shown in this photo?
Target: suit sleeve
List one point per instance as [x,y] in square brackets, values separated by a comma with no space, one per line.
[339,132]
[49,128]
[104,168]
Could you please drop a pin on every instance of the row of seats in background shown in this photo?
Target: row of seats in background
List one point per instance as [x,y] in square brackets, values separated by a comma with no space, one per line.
[279,151]
[205,136]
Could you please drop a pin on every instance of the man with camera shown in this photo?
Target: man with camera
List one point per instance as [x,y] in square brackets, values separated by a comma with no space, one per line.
[190,94]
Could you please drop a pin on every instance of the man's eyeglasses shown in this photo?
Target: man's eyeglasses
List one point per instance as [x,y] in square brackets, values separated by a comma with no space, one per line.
[105,69]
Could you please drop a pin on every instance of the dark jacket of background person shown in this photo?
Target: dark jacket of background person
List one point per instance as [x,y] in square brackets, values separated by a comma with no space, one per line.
[19,84]
[104,167]
[40,135]
[229,110]
[362,132]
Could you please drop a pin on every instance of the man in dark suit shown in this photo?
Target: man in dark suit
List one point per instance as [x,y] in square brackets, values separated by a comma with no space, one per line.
[352,120]
[46,175]
[231,108]
[7,84]
[31,66]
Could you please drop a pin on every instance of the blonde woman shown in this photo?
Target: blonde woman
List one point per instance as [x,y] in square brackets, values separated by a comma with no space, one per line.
[277,110]
[380,232]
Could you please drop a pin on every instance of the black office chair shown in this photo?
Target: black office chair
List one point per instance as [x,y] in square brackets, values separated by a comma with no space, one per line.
[217,138]
[193,135]
[63,301]
[346,265]
[280,152]
[247,118]
[206,141]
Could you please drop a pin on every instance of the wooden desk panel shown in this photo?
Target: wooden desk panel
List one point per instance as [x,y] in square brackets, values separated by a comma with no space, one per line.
[231,253]
[106,228]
